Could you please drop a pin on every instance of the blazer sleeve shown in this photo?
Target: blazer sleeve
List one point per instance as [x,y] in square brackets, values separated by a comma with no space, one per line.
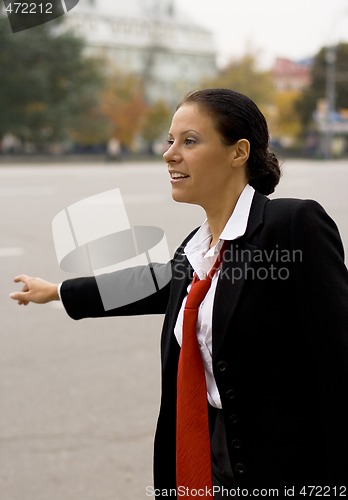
[134,291]
[322,291]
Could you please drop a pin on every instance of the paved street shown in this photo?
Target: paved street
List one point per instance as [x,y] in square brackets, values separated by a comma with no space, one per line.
[79,400]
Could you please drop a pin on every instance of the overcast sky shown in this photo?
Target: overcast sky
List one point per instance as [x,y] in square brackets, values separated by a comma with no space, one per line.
[293,28]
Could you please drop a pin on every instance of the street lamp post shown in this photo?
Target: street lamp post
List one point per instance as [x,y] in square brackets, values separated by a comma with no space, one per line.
[330,59]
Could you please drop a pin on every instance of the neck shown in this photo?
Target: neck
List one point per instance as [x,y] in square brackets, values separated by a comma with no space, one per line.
[219,214]
[217,222]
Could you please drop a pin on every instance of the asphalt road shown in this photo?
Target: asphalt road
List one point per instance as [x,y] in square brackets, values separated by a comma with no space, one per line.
[79,400]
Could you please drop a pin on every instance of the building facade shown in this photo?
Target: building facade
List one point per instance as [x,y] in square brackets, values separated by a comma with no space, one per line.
[150,38]
[291,75]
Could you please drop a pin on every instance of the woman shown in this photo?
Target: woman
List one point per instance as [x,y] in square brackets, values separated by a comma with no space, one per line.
[271,327]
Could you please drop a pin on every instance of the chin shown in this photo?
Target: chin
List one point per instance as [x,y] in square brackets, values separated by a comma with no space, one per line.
[180,198]
[185,196]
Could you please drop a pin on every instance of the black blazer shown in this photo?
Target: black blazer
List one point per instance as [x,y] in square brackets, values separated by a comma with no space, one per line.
[280,347]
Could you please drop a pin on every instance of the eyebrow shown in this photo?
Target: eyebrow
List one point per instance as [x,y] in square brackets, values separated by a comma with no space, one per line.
[186,132]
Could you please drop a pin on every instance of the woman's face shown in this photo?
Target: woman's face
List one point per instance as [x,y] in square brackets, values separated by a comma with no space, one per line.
[199,164]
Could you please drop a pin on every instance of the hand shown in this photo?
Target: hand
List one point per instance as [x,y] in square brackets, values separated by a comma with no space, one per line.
[34,290]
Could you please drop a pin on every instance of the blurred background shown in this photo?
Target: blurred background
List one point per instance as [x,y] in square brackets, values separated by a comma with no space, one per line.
[104,78]
[85,105]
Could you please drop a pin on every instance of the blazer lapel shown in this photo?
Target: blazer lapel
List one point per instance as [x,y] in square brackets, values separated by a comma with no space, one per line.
[182,275]
[233,273]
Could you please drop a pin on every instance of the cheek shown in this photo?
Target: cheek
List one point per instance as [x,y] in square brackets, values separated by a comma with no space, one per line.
[202,163]
[210,169]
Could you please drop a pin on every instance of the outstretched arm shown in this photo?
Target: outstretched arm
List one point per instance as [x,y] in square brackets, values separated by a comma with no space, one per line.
[128,292]
[34,290]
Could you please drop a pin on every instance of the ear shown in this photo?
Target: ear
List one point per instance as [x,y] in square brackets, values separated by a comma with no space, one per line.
[241,152]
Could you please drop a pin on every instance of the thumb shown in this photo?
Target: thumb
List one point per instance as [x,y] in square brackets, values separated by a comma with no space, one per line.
[21,296]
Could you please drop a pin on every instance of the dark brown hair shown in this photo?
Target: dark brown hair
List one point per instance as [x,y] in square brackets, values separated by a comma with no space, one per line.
[237,117]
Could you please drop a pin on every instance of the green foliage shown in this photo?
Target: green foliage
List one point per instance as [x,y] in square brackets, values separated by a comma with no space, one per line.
[47,86]
[307,102]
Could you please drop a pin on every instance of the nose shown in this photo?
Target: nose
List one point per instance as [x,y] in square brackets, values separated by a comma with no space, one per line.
[172,154]
[166,155]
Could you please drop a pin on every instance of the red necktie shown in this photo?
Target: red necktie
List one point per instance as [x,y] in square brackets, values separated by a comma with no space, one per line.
[193,454]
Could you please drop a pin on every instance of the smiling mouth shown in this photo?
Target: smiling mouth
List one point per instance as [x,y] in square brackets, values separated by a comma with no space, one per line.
[176,175]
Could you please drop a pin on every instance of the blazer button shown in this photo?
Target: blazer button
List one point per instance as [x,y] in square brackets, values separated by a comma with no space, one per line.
[222,366]
[240,469]
[233,419]
[236,444]
[230,394]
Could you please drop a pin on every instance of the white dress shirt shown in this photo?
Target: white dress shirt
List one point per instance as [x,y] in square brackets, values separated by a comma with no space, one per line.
[202,258]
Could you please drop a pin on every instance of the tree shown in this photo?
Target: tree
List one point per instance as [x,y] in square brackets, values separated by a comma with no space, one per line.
[156,122]
[286,122]
[123,106]
[47,85]
[307,102]
[243,76]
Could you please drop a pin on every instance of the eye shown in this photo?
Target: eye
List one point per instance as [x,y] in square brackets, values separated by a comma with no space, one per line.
[189,141]
[170,142]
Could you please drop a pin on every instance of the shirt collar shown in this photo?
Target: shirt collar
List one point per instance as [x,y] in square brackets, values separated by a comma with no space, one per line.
[197,249]
[237,223]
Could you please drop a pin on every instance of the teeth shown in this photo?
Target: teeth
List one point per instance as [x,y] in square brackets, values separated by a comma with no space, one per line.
[176,175]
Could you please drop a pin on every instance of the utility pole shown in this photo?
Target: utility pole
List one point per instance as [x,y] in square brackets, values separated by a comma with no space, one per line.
[330,59]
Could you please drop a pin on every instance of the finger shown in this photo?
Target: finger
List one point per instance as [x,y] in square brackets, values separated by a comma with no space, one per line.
[21,278]
[20,296]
